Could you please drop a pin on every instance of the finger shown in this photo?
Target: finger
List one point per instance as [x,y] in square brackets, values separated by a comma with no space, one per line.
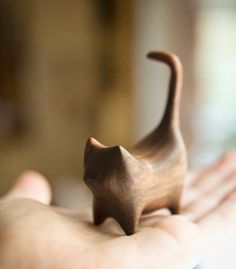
[188,192]
[31,185]
[209,179]
[224,165]
[196,183]
[221,222]
[209,200]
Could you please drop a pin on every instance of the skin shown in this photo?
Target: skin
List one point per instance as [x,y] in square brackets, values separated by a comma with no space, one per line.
[34,234]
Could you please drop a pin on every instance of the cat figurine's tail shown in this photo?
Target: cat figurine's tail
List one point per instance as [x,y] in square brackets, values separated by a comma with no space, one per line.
[171,113]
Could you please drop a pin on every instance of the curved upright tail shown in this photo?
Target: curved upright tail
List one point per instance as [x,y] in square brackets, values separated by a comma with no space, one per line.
[171,113]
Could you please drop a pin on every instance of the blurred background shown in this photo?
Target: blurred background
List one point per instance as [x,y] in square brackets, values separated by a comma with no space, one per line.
[74,69]
[71,69]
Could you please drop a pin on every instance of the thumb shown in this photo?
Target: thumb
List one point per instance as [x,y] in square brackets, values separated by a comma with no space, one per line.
[31,185]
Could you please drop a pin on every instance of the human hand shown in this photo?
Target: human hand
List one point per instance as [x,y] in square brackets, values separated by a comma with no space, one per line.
[35,235]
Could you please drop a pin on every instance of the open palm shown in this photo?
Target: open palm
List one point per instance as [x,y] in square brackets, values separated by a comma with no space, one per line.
[36,235]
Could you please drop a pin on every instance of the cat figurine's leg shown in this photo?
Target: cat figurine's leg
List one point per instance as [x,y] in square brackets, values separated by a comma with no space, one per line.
[174,209]
[128,217]
[129,220]
[99,213]
[175,205]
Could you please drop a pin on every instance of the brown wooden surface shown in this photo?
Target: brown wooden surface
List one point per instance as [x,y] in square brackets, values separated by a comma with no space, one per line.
[150,176]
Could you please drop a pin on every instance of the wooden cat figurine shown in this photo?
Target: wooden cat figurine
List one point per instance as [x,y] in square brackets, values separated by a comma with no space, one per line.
[126,184]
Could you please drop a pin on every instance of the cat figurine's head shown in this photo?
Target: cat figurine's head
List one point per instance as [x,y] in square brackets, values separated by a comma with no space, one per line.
[109,168]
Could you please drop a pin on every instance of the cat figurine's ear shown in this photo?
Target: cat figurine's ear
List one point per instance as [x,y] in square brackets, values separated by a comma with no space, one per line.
[92,146]
[115,157]
[130,163]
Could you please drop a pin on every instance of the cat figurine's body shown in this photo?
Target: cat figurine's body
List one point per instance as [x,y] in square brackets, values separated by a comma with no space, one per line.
[149,177]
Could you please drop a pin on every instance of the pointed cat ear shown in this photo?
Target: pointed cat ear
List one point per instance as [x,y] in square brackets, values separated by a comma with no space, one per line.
[124,153]
[92,143]
[133,168]
[91,147]
[127,157]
